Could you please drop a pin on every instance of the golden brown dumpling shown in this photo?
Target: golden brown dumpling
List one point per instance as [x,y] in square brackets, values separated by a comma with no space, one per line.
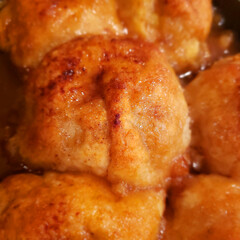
[213,98]
[29,29]
[181,26]
[111,107]
[207,208]
[75,207]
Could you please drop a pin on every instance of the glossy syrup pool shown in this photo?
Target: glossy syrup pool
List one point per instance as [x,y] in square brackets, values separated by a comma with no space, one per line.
[10,99]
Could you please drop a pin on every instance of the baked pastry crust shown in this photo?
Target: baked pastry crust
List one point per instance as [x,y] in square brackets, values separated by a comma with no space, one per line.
[110,107]
[206,208]
[30,29]
[213,98]
[64,206]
